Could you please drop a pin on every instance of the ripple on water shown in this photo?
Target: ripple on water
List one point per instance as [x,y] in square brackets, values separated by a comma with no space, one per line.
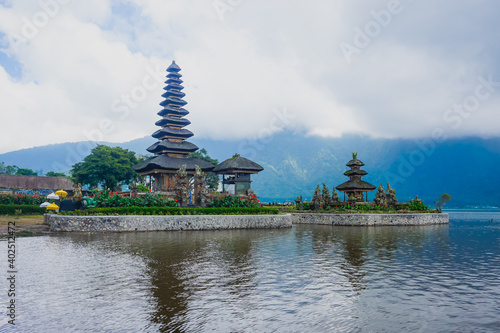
[308,278]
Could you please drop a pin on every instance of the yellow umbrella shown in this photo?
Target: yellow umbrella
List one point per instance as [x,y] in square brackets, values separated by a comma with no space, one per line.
[62,193]
[52,206]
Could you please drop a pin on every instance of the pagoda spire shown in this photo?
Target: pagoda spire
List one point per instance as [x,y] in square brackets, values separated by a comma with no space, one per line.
[172,134]
[355,185]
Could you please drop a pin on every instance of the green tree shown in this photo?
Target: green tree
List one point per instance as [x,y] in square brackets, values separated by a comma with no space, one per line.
[55,174]
[105,166]
[7,169]
[212,179]
[443,199]
[25,172]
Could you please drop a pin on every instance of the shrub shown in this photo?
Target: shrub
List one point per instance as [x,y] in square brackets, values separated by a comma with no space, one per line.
[415,205]
[175,211]
[233,201]
[142,188]
[21,209]
[114,199]
[21,199]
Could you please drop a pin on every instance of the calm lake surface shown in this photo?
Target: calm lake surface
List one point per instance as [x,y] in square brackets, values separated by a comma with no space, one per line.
[304,279]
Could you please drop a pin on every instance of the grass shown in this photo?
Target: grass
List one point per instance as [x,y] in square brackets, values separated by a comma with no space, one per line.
[26,225]
[21,219]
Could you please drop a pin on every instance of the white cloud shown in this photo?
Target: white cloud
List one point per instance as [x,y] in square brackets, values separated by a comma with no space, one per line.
[88,61]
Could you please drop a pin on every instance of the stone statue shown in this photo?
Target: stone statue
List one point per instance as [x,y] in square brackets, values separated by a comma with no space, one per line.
[351,198]
[88,202]
[200,187]
[182,171]
[335,196]
[380,196]
[77,192]
[326,196]
[198,171]
[316,199]
[299,203]
[391,199]
[181,186]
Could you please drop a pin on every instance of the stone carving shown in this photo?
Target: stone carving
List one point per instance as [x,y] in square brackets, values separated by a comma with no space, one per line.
[316,199]
[299,203]
[181,187]
[352,198]
[326,196]
[391,196]
[335,196]
[200,187]
[380,196]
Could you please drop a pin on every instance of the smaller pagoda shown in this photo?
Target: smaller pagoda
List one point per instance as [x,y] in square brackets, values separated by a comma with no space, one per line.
[355,186]
[236,171]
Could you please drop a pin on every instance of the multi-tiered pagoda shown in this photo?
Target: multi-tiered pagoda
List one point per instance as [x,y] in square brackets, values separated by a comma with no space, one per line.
[172,149]
[355,187]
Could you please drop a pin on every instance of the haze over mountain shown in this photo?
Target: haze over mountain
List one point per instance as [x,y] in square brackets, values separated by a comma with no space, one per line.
[294,164]
[392,69]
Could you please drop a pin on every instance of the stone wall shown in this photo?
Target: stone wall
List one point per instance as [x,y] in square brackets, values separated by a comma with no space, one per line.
[370,219]
[166,222]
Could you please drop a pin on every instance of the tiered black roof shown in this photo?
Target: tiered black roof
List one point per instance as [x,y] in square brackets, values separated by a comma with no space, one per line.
[172,135]
[172,149]
[238,164]
[355,183]
[169,132]
[172,164]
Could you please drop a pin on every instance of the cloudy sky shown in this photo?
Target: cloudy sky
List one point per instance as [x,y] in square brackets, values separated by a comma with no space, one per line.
[75,70]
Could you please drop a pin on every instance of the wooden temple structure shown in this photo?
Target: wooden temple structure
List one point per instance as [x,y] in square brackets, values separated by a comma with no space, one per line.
[172,150]
[236,171]
[355,186]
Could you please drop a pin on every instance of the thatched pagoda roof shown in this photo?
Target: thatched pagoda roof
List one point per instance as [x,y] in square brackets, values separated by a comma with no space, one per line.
[35,183]
[172,164]
[238,164]
[356,184]
[355,172]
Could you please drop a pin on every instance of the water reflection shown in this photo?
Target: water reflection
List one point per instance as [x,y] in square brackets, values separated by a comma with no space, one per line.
[192,271]
[308,278]
[359,245]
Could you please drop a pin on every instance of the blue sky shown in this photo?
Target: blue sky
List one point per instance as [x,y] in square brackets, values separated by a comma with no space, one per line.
[72,70]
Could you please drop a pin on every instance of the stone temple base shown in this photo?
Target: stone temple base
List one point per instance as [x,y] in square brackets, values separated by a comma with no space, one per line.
[370,219]
[166,222]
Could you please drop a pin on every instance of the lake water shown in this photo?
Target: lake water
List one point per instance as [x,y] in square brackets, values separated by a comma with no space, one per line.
[305,279]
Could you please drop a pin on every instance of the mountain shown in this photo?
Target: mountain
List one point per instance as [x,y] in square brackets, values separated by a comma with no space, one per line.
[294,164]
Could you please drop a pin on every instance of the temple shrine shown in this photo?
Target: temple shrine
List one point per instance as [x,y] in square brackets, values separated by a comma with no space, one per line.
[355,187]
[175,173]
[236,171]
[172,150]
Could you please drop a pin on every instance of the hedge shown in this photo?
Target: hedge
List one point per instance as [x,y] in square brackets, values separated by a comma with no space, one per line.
[21,209]
[175,211]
